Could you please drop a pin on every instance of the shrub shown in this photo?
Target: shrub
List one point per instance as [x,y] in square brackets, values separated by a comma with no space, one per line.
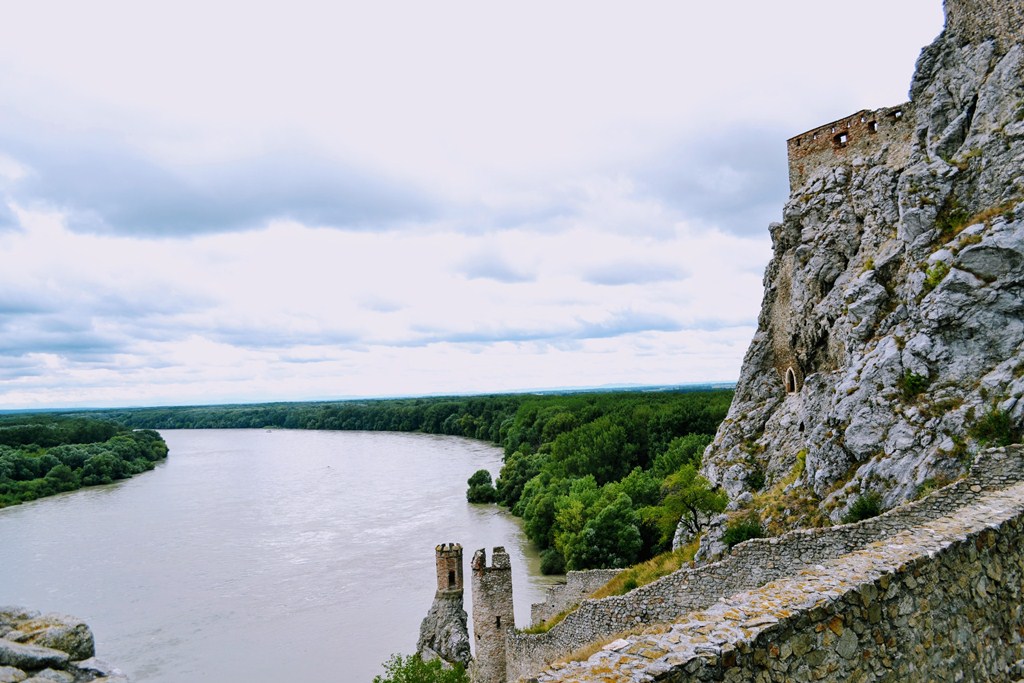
[995,428]
[741,530]
[935,274]
[552,561]
[865,507]
[413,669]
[911,384]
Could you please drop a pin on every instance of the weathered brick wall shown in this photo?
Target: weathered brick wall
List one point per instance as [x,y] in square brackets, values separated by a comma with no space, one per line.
[973,21]
[578,585]
[750,566]
[886,131]
[939,602]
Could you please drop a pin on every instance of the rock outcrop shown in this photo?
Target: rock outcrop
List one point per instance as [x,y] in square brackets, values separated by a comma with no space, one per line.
[37,648]
[444,632]
[890,345]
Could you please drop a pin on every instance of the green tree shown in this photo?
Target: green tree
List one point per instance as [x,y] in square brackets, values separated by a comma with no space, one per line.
[481,490]
[412,669]
[611,539]
[689,499]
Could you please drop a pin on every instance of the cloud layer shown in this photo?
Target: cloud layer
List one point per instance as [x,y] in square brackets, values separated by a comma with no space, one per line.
[391,198]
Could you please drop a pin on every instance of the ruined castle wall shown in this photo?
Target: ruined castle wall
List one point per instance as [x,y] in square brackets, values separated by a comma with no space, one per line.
[493,614]
[861,134]
[578,585]
[751,565]
[938,602]
[974,21]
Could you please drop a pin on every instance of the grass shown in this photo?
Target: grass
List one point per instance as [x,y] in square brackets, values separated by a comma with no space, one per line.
[649,571]
[935,274]
[995,428]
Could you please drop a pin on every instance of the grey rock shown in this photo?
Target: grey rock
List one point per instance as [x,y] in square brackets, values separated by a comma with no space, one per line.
[9,674]
[52,676]
[61,632]
[444,631]
[31,657]
[855,304]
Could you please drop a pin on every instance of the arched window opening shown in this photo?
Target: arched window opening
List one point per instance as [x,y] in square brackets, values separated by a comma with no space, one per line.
[790,381]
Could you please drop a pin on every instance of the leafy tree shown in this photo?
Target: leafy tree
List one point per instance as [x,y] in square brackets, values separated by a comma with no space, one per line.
[412,669]
[611,539]
[689,499]
[481,490]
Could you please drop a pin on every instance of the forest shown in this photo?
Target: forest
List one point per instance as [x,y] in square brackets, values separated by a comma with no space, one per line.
[600,479]
[41,455]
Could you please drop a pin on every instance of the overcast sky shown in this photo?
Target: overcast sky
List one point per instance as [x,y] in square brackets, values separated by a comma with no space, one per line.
[210,202]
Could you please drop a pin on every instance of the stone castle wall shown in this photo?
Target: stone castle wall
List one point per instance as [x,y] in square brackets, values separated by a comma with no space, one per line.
[938,602]
[578,585]
[750,566]
[493,614]
[861,134]
[974,21]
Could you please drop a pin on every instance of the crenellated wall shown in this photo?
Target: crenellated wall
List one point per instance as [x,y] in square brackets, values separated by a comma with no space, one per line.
[750,566]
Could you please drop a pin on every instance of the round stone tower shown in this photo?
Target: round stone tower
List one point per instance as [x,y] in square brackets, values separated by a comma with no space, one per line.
[492,614]
[444,632]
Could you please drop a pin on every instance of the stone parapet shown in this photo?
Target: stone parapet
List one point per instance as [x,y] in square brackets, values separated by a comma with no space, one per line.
[752,565]
[940,601]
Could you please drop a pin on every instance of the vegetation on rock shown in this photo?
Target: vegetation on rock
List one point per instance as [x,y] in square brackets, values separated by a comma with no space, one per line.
[412,669]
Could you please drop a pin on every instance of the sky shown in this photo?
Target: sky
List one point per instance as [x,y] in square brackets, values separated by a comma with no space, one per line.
[210,202]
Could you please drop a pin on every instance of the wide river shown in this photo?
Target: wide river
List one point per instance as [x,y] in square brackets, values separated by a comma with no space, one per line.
[261,556]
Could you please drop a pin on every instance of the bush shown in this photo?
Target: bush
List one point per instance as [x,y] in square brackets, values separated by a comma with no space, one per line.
[865,507]
[741,530]
[412,669]
[995,428]
[911,384]
[481,490]
[552,562]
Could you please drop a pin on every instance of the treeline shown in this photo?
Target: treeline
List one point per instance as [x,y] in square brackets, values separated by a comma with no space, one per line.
[602,481]
[44,455]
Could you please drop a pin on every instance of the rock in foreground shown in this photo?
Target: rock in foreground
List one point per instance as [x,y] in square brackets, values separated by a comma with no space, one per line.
[50,647]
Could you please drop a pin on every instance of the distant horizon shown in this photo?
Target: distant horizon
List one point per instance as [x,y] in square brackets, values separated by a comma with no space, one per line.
[396,397]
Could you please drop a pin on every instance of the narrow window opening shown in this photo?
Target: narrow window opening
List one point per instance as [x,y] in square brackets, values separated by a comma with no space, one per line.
[790,381]
[873,127]
[833,129]
[801,428]
[863,119]
[451,578]
[898,113]
[497,622]
[842,140]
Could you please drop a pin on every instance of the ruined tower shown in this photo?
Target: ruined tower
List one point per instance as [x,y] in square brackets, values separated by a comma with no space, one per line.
[444,632]
[492,614]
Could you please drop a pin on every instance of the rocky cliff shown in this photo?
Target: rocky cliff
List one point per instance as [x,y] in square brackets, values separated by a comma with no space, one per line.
[890,345]
[48,648]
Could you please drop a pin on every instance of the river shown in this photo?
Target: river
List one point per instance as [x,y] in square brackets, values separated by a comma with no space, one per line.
[254,555]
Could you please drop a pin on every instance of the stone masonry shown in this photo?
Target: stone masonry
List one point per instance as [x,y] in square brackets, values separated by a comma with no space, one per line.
[752,565]
[937,602]
[561,597]
[493,614]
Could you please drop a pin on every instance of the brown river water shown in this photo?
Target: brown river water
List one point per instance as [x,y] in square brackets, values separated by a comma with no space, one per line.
[261,556]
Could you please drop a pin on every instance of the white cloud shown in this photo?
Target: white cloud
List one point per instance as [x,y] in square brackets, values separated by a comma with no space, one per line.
[234,201]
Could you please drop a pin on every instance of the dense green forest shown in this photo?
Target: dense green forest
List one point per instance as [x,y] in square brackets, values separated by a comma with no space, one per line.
[600,479]
[46,454]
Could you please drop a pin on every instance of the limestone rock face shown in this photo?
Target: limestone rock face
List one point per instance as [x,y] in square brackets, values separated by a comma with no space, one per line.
[890,344]
[444,632]
[52,648]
